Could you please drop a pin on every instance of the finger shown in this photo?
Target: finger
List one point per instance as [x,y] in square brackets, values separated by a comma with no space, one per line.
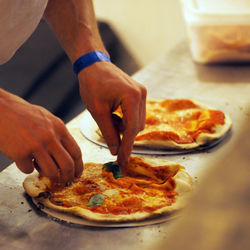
[125,150]
[46,164]
[131,121]
[35,164]
[142,111]
[63,161]
[25,165]
[74,150]
[109,131]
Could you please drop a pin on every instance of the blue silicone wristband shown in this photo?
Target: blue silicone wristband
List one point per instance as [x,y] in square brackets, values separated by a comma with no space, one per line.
[88,59]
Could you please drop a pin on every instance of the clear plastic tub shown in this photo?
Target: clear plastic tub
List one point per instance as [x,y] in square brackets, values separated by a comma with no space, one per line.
[218,30]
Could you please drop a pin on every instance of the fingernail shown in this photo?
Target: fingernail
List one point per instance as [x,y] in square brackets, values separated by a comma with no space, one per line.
[113,150]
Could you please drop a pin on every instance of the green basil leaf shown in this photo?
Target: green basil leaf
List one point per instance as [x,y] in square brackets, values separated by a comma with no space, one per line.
[68,183]
[96,200]
[113,167]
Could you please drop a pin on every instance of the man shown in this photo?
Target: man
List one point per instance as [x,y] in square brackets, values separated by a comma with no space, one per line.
[32,136]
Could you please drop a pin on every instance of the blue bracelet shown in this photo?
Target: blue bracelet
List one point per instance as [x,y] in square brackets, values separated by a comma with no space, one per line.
[88,59]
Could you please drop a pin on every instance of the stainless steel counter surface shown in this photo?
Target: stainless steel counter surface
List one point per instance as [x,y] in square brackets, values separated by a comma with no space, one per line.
[174,75]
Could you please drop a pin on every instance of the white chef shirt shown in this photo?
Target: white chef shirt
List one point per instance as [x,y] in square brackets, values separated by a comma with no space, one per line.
[18,19]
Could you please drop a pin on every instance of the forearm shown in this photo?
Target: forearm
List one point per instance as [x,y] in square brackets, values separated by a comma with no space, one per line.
[103,86]
[74,23]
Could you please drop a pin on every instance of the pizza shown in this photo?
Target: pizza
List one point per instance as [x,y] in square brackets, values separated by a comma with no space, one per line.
[179,124]
[147,188]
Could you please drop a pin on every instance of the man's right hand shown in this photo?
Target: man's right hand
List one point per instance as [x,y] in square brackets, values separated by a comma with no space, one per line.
[30,133]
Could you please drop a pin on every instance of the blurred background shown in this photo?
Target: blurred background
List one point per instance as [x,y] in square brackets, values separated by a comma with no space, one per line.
[134,33]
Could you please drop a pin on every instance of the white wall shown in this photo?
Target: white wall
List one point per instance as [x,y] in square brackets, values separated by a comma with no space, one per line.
[147,27]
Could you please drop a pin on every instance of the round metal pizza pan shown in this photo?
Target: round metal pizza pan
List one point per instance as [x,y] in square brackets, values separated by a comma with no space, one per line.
[72,219]
[88,129]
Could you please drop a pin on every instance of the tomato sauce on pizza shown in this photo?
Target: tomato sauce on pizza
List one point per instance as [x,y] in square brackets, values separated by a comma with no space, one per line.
[180,123]
[147,187]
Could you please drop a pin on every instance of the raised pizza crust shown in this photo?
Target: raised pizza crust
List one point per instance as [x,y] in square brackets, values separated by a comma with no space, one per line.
[204,139]
[34,186]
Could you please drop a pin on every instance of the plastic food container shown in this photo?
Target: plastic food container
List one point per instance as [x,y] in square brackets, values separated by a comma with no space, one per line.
[218,30]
